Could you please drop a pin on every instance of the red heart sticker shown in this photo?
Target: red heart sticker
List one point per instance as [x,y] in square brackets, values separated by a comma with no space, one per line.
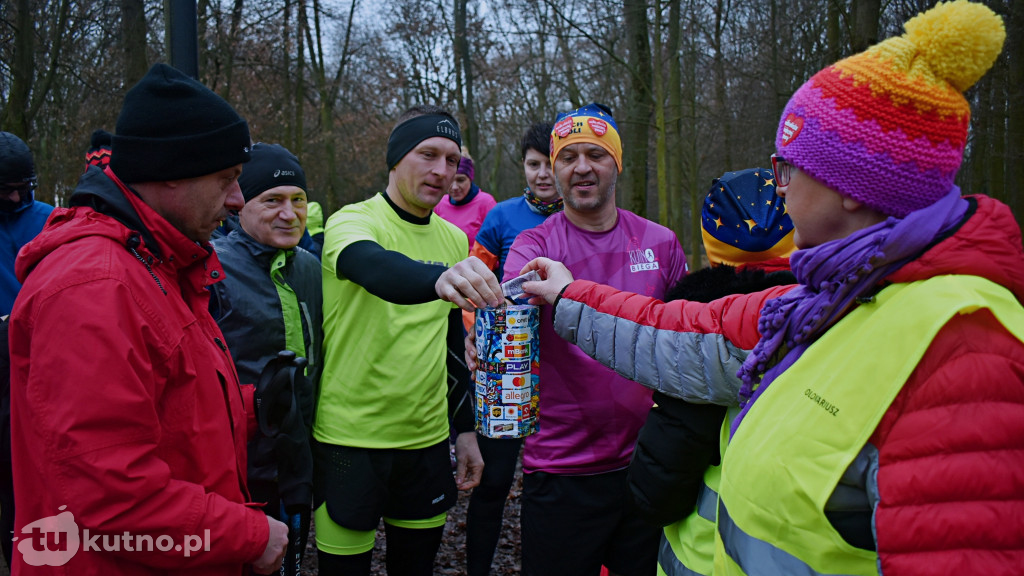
[564,127]
[791,128]
[598,126]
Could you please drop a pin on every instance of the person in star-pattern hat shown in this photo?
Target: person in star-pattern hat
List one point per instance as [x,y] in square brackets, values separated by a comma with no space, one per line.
[743,220]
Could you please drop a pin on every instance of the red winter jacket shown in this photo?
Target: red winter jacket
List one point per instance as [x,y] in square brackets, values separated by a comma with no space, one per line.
[126,410]
[950,448]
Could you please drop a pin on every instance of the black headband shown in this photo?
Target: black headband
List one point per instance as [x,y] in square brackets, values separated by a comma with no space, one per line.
[410,133]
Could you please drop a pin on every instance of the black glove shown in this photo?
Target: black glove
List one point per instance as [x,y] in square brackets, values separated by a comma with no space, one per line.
[280,418]
[277,410]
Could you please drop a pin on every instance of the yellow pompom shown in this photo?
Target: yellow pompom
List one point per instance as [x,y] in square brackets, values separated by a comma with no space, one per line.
[960,40]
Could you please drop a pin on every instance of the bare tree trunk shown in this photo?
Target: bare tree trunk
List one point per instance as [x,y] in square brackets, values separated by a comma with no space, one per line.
[297,128]
[976,179]
[27,91]
[661,132]
[202,29]
[326,111]
[775,19]
[1015,109]
[674,113]
[545,77]
[229,49]
[15,117]
[464,70]
[693,155]
[133,37]
[997,110]
[56,52]
[638,112]
[574,95]
[492,182]
[865,24]
[328,93]
[287,84]
[460,93]
[722,107]
[832,31]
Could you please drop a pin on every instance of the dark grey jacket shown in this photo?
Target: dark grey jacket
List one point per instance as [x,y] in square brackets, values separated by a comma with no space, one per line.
[248,309]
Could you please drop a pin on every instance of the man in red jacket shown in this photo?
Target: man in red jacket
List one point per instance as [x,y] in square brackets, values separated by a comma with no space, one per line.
[128,421]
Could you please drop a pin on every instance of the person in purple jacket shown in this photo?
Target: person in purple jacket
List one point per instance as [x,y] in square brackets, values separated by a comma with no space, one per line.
[576,513]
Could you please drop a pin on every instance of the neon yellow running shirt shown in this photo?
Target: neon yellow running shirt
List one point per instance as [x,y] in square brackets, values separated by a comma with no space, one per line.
[385,382]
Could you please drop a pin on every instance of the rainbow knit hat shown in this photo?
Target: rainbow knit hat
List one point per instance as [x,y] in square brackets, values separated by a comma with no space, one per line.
[888,126]
[592,123]
[744,221]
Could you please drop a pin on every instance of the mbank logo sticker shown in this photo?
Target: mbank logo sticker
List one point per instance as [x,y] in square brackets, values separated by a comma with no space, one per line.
[50,541]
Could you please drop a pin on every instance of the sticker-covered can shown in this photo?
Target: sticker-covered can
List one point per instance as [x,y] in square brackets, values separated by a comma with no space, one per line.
[508,372]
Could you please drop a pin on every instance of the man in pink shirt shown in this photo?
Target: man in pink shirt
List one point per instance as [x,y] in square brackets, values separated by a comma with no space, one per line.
[576,513]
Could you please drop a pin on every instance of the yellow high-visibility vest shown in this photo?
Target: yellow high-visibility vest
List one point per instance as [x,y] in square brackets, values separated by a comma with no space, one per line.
[793,446]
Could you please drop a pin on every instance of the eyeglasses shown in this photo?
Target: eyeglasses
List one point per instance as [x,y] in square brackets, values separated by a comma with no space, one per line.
[783,171]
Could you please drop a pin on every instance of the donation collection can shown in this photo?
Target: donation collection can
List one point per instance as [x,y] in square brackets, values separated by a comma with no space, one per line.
[508,372]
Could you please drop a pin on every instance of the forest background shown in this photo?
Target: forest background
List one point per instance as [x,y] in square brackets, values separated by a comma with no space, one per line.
[697,86]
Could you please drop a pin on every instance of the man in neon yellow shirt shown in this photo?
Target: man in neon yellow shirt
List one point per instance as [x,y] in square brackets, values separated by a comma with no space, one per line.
[391,276]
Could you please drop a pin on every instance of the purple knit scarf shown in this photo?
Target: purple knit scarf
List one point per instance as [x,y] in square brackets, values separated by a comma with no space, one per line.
[831,277]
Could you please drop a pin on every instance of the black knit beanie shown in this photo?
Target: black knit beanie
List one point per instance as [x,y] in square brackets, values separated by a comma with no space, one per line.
[272,165]
[172,127]
[16,164]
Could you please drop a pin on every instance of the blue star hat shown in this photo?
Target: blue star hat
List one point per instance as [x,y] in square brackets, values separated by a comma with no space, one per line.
[744,221]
